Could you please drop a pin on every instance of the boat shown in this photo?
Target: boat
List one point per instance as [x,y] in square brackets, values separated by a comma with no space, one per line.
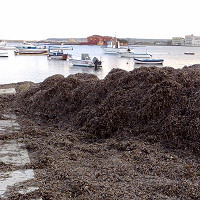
[86,61]
[4,46]
[189,53]
[148,61]
[28,48]
[61,47]
[135,55]
[57,54]
[3,54]
[113,47]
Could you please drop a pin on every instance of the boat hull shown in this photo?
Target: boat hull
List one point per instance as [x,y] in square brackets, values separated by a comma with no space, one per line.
[189,53]
[7,48]
[135,55]
[61,48]
[31,51]
[151,61]
[59,57]
[82,63]
[110,50]
[4,54]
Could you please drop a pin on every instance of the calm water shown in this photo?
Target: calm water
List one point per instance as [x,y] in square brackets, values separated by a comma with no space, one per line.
[17,68]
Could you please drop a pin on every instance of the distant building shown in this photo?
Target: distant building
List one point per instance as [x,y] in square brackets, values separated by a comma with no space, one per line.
[143,41]
[67,40]
[123,42]
[191,40]
[178,41]
[98,40]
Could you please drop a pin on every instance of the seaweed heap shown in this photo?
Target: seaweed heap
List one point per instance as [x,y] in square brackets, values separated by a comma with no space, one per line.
[154,103]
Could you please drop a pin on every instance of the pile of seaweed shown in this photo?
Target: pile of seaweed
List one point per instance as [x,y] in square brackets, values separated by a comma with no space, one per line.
[151,102]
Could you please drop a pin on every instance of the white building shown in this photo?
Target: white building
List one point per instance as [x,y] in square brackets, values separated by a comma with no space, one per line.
[196,42]
[178,41]
[191,40]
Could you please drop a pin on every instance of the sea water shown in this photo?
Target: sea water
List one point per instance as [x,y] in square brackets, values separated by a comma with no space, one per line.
[36,68]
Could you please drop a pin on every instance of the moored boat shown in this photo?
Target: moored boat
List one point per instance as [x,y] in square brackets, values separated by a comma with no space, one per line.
[135,55]
[86,61]
[189,53]
[3,54]
[61,47]
[57,54]
[30,49]
[148,61]
[4,46]
[114,48]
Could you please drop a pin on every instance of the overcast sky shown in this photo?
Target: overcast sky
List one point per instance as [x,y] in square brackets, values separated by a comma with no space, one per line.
[42,19]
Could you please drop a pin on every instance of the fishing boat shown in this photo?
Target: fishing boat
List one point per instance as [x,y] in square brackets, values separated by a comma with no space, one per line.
[189,53]
[134,55]
[113,47]
[57,54]
[28,48]
[148,61]
[86,61]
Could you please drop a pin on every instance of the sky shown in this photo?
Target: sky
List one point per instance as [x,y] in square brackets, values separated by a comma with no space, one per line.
[151,19]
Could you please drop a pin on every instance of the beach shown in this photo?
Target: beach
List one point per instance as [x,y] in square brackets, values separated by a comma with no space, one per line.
[131,135]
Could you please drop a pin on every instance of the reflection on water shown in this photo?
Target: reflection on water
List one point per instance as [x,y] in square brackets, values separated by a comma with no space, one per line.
[37,68]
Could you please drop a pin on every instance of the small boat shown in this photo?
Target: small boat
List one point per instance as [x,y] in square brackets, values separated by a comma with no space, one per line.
[28,48]
[61,47]
[7,48]
[148,61]
[86,61]
[57,54]
[189,53]
[135,55]
[3,54]
[4,46]
[114,48]
[31,51]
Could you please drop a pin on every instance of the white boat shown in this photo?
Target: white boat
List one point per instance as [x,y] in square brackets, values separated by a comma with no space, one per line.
[28,48]
[4,46]
[57,54]
[135,55]
[114,48]
[86,61]
[61,47]
[3,54]
[148,61]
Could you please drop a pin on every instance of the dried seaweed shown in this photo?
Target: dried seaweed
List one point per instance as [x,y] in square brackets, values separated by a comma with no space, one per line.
[158,102]
[103,139]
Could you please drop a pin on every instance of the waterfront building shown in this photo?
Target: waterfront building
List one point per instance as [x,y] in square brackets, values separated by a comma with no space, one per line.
[189,40]
[178,41]
[98,40]
[196,42]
